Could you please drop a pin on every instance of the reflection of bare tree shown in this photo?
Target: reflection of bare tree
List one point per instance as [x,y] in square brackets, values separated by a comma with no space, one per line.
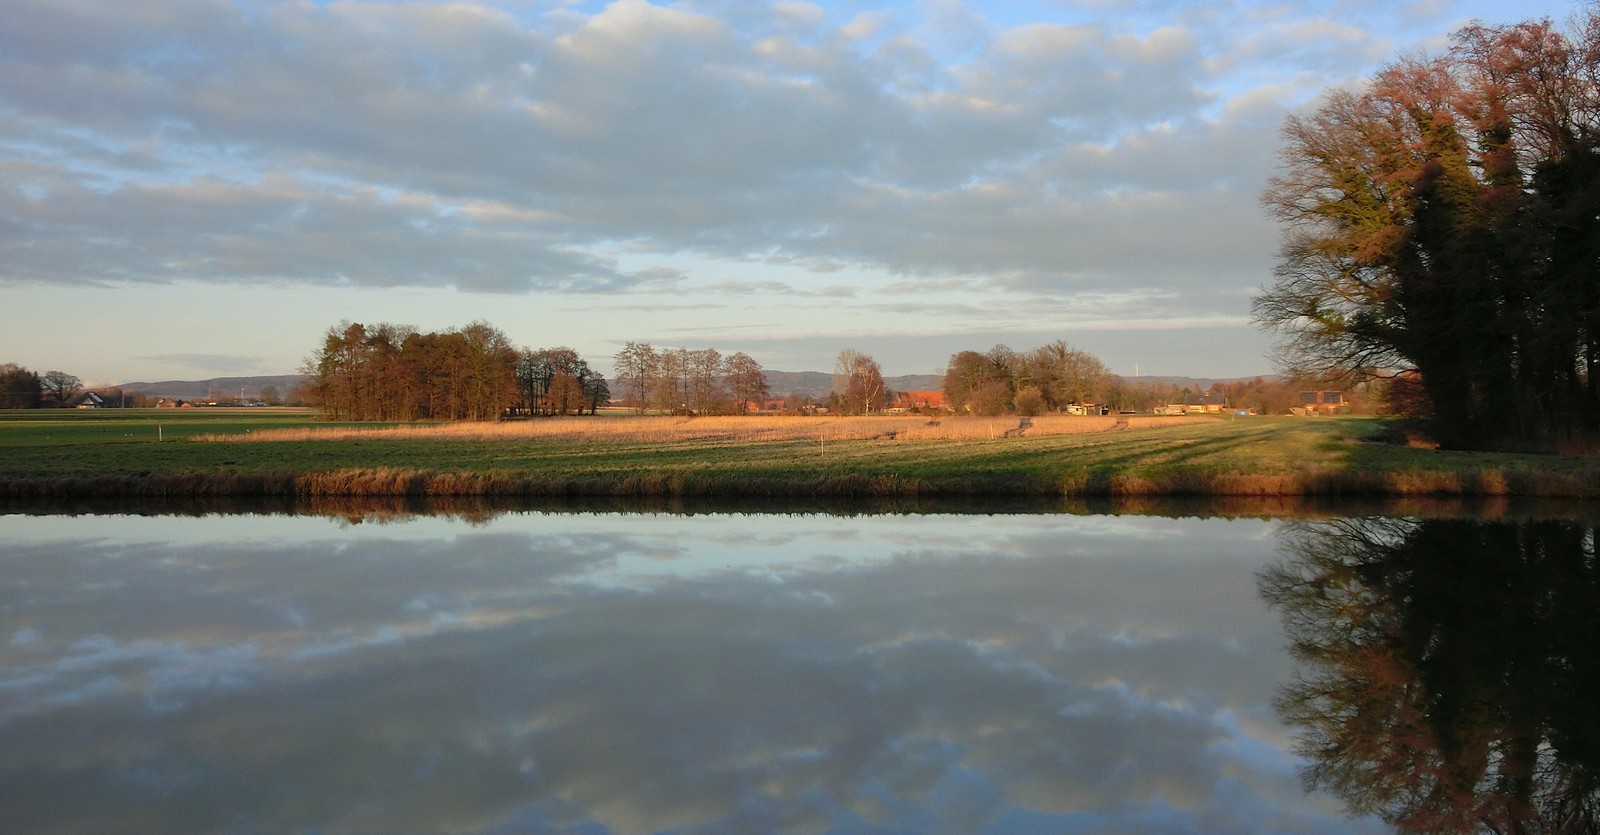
[1448,674]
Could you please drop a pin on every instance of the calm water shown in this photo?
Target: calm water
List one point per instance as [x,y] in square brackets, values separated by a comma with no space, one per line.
[644,673]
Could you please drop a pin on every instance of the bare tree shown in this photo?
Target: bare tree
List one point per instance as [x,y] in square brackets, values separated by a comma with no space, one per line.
[705,384]
[858,383]
[747,381]
[60,386]
[671,391]
[636,366]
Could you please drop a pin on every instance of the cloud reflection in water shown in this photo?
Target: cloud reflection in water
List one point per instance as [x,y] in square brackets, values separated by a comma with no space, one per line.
[644,673]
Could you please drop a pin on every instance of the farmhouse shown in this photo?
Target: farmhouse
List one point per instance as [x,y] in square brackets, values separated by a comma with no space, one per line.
[920,401]
[1197,404]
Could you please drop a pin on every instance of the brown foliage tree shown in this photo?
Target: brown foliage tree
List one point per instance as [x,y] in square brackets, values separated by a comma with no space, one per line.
[988,383]
[1446,220]
[392,372]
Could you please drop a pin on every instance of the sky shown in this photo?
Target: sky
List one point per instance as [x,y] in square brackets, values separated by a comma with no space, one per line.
[199,188]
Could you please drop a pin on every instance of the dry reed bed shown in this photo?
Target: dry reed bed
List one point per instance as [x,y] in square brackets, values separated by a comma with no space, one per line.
[741,429]
[423,483]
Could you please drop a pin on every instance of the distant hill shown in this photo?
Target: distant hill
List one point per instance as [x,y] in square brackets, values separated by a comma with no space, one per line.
[819,384]
[216,387]
[1194,384]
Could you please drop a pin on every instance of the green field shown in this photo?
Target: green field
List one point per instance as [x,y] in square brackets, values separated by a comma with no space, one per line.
[151,453]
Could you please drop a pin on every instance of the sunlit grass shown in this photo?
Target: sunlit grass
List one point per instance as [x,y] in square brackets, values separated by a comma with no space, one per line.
[290,454]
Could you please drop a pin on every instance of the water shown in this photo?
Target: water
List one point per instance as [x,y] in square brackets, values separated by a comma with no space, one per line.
[631,673]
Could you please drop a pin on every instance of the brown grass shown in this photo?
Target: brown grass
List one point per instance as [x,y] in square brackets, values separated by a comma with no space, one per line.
[741,429]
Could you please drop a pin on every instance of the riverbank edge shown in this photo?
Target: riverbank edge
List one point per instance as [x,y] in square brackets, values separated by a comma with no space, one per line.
[1098,481]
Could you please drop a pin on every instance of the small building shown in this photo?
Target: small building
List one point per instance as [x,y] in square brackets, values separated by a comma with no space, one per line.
[1201,404]
[89,400]
[924,401]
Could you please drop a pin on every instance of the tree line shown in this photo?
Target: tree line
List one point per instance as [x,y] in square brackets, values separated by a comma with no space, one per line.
[1045,379]
[24,389]
[396,372]
[1444,230]
[684,381]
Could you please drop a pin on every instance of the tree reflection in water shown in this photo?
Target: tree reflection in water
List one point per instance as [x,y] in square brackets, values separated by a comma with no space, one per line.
[1448,677]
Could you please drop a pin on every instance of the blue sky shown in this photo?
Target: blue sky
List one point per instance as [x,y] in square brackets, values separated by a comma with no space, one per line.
[197,188]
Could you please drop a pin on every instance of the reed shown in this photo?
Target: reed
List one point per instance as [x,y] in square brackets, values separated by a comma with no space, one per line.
[745,429]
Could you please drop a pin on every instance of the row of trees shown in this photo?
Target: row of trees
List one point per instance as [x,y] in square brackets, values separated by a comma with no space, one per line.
[1444,224]
[685,381]
[24,389]
[1045,379]
[395,372]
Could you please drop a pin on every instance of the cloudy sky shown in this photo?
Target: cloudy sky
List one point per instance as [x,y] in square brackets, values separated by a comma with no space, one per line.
[194,188]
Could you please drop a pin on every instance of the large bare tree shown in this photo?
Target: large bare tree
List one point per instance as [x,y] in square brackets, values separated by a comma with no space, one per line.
[60,386]
[747,381]
[858,383]
[636,367]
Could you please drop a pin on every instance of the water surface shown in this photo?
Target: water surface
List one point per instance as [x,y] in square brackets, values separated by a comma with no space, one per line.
[644,673]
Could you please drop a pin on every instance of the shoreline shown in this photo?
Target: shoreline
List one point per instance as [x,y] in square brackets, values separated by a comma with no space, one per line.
[1096,482]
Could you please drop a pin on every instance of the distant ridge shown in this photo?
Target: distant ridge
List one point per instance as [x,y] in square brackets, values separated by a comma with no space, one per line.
[819,385]
[1196,384]
[216,387]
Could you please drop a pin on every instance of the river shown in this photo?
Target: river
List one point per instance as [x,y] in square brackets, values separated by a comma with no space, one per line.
[720,672]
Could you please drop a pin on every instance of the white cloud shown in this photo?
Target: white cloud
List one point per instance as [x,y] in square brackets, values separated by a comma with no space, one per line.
[505,147]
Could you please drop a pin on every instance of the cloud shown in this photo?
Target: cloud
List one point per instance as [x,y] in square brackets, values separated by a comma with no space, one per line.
[191,140]
[206,361]
[592,149]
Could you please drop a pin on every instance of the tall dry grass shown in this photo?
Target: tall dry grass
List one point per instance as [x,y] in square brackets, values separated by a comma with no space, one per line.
[753,429]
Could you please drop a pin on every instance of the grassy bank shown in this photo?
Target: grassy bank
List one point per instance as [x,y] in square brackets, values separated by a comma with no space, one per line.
[257,452]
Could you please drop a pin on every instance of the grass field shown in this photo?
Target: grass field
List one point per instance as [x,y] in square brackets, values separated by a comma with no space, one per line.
[282,452]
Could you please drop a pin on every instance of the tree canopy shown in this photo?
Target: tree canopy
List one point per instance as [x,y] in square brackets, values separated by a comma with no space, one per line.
[1048,378]
[1444,222]
[393,372]
[19,387]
